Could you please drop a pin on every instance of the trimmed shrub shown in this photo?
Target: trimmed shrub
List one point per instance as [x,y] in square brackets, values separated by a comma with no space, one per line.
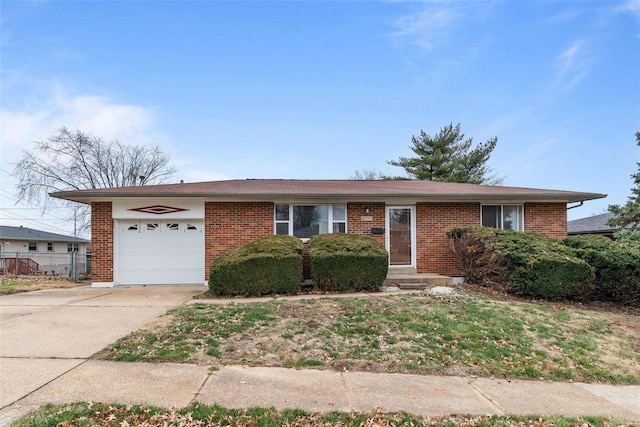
[271,265]
[617,267]
[347,262]
[529,264]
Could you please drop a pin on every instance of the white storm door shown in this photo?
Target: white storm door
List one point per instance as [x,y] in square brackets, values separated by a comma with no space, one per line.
[400,236]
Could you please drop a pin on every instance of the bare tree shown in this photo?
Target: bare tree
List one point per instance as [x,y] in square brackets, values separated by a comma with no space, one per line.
[367,175]
[374,175]
[74,160]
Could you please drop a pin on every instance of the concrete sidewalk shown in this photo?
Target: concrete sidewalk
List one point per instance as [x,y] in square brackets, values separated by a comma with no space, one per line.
[178,385]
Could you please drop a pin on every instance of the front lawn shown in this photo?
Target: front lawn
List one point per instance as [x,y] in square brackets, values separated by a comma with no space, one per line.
[466,335]
[198,415]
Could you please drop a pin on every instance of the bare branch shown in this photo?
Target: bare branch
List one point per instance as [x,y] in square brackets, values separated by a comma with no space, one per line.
[76,160]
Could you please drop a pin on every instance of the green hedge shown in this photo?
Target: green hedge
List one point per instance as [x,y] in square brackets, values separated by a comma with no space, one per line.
[617,267]
[628,238]
[271,265]
[347,262]
[533,265]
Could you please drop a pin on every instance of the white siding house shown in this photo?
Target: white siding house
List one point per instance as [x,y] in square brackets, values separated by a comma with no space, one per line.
[28,251]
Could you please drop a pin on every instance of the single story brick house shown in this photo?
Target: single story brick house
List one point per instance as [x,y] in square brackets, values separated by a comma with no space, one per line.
[170,234]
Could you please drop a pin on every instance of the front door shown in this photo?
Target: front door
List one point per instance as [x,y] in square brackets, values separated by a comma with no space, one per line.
[400,235]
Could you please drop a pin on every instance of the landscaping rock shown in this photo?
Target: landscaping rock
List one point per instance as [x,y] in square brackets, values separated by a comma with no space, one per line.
[440,291]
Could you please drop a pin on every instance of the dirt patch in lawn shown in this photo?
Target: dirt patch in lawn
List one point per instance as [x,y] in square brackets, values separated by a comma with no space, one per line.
[16,284]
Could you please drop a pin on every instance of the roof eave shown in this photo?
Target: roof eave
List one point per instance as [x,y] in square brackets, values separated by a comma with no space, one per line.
[569,197]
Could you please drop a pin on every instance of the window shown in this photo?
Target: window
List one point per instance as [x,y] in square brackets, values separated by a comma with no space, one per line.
[73,247]
[152,227]
[132,227]
[339,219]
[173,226]
[49,246]
[191,227]
[506,217]
[33,246]
[305,221]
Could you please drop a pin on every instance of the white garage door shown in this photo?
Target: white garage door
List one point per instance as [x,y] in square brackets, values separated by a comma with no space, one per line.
[160,252]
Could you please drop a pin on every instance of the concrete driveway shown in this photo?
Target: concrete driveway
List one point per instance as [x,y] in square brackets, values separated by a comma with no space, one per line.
[45,334]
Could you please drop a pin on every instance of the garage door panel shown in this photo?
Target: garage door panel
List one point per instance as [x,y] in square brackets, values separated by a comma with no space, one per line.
[160,252]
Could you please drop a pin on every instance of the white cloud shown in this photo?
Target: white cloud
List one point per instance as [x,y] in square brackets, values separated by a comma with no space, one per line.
[43,115]
[572,64]
[101,116]
[567,59]
[90,113]
[630,6]
[565,17]
[429,26]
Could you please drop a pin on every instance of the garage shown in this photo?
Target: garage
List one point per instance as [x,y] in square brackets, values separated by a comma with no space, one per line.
[153,252]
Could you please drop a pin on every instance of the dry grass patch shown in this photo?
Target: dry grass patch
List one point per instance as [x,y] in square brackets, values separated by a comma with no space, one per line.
[16,284]
[416,334]
[199,415]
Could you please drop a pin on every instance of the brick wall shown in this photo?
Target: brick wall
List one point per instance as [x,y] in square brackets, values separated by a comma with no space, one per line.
[549,219]
[433,220]
[355,214]
[101,242]
[228,225]
[231,224]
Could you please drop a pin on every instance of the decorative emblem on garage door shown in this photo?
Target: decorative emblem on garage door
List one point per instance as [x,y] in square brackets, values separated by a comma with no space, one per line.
[158,209]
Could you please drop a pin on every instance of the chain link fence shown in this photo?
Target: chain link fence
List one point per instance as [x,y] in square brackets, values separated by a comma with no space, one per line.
[76,265]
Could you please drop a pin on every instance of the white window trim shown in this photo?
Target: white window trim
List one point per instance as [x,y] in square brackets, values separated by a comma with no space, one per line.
[330,217]
[502,205]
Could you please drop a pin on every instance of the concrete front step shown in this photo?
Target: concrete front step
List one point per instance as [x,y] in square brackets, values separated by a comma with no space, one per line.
[417,281]
[400,271]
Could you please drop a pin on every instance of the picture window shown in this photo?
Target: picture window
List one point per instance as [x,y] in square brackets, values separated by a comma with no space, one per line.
[306,221]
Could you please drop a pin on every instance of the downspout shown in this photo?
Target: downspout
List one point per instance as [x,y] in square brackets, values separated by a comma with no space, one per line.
[576,206]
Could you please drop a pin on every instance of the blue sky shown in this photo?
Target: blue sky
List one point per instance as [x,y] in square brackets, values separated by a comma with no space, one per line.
[319,89]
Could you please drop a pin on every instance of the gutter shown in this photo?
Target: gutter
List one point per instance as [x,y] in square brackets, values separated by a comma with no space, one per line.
[472,198]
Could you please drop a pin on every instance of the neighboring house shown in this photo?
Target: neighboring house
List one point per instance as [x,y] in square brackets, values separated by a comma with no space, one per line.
[596,224]
[170,234]
[40,251]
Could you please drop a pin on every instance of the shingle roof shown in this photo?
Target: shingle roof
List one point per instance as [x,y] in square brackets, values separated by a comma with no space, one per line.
[268,189]
[596,224]
[24,233]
